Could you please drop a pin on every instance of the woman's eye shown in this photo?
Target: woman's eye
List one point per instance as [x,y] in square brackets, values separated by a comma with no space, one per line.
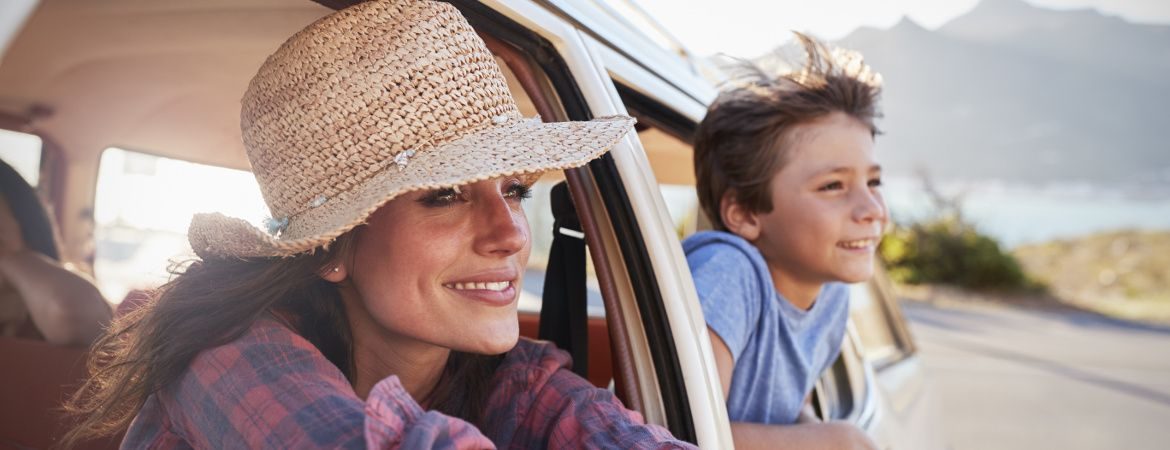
[519,191]
[876,182]
[832,186]
[440,197]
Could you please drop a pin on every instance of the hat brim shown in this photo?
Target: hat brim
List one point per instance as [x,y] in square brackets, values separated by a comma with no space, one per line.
[527,146]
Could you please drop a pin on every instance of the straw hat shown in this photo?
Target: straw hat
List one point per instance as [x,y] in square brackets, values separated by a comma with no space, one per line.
[373,101]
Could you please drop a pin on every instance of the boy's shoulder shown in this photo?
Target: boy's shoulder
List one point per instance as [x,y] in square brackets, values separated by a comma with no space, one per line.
[720,257]
[723,251]
[714,242]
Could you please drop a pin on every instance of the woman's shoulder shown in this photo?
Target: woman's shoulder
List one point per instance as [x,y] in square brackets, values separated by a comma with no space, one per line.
[268,348]
[266,332]
[530,355]
[255,390]
[533,369]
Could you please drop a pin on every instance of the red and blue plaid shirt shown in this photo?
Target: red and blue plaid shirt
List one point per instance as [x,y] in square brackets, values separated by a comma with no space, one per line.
[272,389]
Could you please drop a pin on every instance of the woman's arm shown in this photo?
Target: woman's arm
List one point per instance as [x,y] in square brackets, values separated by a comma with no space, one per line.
[272,389]
[539,403]
[64,306]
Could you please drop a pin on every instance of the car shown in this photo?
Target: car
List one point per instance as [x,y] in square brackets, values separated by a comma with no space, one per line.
[116,107]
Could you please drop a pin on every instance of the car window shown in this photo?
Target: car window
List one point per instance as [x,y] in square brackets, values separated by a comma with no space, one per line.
[22,151]
[142,207]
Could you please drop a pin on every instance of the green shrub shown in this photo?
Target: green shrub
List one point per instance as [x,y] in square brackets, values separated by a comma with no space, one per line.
[950,251]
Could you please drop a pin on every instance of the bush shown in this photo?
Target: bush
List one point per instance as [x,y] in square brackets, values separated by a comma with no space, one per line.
[950,251]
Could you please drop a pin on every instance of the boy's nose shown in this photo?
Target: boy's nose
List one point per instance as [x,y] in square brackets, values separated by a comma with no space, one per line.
[870,207]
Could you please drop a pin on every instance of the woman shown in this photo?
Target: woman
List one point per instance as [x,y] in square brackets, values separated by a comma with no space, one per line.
[393,160]
[39,297]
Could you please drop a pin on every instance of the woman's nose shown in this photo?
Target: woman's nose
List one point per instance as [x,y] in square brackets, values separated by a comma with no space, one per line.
[501,227]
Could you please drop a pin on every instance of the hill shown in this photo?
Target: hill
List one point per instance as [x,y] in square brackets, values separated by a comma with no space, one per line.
[1019,93]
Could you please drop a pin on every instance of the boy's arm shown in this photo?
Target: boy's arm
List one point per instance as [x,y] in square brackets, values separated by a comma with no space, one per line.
[808,436]
[724,362]
[812,436]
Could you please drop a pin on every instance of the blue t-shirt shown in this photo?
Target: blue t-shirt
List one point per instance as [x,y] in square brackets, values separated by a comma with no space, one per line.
[779,350]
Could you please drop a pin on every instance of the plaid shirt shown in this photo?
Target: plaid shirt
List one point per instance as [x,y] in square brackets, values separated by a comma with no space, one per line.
[272,389]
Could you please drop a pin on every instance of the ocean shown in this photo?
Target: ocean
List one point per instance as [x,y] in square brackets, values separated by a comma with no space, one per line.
[1017,213]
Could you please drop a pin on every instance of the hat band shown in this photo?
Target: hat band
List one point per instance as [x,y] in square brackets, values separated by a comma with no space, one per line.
[277,225]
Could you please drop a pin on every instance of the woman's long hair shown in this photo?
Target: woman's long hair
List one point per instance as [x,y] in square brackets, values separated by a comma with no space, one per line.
[213,302]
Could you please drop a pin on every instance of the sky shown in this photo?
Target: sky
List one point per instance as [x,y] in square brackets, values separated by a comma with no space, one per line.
[707,27]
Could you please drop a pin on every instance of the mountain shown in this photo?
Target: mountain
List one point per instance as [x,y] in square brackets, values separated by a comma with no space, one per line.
[1020,93]
[1083,37]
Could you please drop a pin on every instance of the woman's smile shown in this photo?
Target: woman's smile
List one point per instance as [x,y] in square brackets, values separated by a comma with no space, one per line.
[495,287]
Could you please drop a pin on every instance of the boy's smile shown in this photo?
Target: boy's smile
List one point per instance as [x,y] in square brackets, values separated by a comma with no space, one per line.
[827,211]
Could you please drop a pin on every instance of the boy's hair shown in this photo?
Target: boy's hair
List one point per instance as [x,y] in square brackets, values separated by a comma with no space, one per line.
[748,132]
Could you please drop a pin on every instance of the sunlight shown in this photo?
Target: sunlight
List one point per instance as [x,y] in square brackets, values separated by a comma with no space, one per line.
[143,206]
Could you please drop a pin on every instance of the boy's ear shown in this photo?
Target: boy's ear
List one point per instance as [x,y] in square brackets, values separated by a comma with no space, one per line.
[738,218]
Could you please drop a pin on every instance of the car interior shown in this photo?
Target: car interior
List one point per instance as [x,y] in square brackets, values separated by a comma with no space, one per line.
[127,97]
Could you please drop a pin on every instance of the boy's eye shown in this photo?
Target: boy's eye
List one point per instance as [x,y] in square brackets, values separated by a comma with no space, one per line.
[875,182]
[440,197]
[831,186]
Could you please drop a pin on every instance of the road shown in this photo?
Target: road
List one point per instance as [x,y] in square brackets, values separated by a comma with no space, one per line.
[1009,378]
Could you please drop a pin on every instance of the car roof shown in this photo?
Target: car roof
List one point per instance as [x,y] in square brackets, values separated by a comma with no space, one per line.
[163,76]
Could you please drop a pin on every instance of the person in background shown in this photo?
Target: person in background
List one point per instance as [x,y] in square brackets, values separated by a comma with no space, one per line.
[40,298]
[787,174]
[379,308]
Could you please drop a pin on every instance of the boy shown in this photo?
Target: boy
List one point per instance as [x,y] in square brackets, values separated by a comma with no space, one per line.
[786,173]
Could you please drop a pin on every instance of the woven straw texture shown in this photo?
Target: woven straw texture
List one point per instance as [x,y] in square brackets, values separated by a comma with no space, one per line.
[373,101]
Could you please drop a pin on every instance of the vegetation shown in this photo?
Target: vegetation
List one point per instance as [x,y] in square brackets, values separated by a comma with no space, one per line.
[1121,273]
[948,250]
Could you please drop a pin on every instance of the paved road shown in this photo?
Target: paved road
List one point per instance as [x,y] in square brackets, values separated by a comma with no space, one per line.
[1010,378]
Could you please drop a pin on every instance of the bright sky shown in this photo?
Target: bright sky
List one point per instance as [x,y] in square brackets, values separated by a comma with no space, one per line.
[748,28]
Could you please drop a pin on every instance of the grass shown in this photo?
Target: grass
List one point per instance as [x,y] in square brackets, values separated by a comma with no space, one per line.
[1121,274]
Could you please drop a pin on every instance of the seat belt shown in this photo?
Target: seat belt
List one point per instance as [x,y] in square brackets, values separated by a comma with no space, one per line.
[563,311]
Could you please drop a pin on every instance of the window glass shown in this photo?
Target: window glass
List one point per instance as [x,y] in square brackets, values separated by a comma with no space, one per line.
[22,151]
[143,206]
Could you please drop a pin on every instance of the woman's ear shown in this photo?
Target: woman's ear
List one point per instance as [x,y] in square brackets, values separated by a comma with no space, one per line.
[738,218]
[334,272]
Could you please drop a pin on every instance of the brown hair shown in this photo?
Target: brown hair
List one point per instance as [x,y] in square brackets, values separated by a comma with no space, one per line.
[748,131]
[150,347]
